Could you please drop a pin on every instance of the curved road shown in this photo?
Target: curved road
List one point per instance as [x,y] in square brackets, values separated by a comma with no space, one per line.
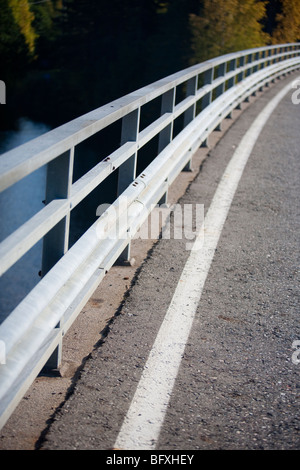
[237,380]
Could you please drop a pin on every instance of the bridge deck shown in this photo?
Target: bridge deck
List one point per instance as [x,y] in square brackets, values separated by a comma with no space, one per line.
[237,385]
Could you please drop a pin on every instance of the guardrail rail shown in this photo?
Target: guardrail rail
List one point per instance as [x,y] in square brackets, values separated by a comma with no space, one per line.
[32,333]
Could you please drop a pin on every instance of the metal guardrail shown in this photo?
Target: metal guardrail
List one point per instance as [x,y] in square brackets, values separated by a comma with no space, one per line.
[33,332]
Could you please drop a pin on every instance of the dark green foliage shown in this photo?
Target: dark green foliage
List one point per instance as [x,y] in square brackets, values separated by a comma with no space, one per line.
[89,52]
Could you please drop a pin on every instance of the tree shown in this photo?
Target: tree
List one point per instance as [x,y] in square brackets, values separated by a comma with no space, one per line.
[45,15]
[14,49]
[288,23]
[24,18]
[224,26]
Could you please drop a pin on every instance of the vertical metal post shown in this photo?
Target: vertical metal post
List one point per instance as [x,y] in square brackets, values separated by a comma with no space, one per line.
[166,135]
[256,58]
[208,79]
[263,56]
[231,68]
[249,71]
[221,88]
[59,182]
[191,89]
[263,65]
[221,73]
[167,106]
[249,61]
[56,242]
[255,68]
[190,113]
[231,81]
[285,50]
[269,62]
[269,55]
[241,75]
[127,171]
[275,60]
[207,99]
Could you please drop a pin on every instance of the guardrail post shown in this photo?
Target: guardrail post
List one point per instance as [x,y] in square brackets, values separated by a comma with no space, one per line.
[231,68]
[256,59]
[127,171]
[207,99]
[221,72]
[294,48]
[285,49]
[166,135]
[249,61]
[221,88]
[255,68]
[58,186]
[190,113]
[263,56]
[231,81]
[276,59]
[208,79]
[56,242]
[167,106]
[191,89]
[249,71]
[263,65]
[241,75]
[269,62]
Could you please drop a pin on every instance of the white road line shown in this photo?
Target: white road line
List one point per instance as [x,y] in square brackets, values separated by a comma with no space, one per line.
[142,424]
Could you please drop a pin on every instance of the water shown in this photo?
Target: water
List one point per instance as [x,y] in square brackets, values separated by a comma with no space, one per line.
[17,204]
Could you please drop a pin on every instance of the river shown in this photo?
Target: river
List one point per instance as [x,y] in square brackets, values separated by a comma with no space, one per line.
[17,204]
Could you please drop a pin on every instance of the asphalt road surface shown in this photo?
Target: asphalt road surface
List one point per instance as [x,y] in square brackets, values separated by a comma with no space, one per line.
[228,375]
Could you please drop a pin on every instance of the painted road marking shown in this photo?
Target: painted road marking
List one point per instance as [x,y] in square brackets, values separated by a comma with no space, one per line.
[142,424]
